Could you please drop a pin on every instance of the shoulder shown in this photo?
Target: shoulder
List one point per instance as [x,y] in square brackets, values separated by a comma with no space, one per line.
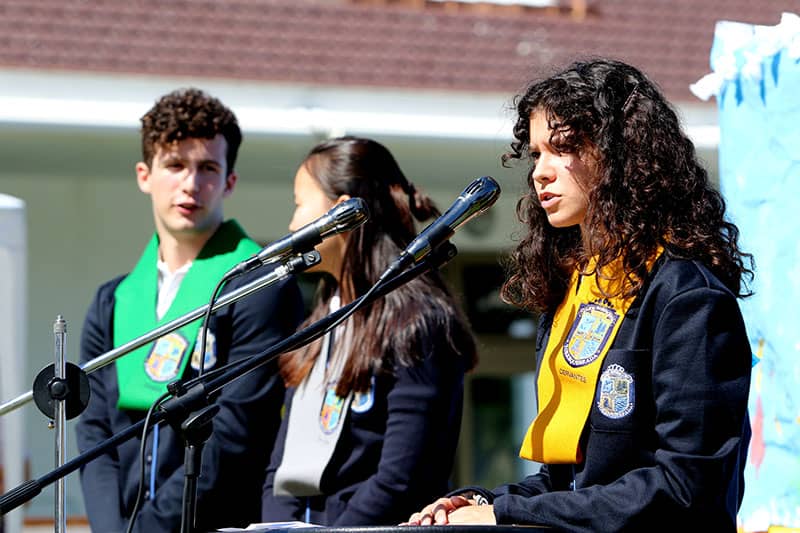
[104,295]
[433,310]
[427,301]
[97,324]
[679,275]
[282,286]
[685,286]
[432,321]
[273,309]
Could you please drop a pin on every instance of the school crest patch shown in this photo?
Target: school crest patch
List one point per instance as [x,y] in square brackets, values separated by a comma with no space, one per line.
[363,401]
[589,333]
[331,413]
[211,351]
[616,392]
[164,360]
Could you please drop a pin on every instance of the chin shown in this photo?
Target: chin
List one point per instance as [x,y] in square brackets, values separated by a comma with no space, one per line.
[184,228]
[557,223]
[562,222]
[319,268]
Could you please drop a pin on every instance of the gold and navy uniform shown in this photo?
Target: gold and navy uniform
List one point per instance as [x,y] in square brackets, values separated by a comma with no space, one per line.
[666,438]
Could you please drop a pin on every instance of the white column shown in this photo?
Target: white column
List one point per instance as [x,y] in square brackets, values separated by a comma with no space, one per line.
[13,336]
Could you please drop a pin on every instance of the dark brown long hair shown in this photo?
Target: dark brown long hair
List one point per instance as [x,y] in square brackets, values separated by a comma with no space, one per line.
[650,190]
[389,331]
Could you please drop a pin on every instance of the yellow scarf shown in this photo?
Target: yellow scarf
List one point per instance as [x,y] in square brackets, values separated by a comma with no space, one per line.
[584,327]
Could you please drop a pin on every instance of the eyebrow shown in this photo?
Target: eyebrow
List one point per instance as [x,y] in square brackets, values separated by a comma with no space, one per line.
[534,146]
[171,157]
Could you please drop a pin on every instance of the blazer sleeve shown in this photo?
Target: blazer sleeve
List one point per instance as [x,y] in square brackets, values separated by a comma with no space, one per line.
[248,419]
[532,485]
[700,374]
[100,477]
[419,419]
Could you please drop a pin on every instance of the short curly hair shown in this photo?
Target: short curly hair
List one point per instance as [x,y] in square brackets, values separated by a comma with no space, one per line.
[651,190]
[185,114]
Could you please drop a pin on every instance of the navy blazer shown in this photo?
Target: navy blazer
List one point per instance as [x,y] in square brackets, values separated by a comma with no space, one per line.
[675,460]
[233,458]
[390,459]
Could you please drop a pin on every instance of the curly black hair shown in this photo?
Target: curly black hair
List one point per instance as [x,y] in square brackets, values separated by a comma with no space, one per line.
[189,113]
[650,189]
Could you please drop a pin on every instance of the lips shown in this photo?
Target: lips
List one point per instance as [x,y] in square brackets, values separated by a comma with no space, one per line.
[187,208]
[548,199]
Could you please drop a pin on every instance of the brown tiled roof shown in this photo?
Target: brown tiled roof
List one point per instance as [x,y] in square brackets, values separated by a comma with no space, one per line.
[391,44]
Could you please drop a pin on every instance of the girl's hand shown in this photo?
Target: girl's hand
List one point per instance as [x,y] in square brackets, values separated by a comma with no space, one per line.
[474,514]
[453,510]
[437,512]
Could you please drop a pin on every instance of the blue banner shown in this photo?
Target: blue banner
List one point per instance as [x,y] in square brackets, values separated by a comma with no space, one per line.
[756,80]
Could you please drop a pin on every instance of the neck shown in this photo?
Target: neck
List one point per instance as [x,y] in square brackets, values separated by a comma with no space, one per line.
[336,260]
[178,250]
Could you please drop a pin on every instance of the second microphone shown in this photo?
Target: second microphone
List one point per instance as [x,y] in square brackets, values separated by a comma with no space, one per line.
[344,216]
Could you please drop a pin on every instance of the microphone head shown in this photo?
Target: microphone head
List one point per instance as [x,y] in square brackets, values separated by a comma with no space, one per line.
[484,192]
[347,215]
[479,196]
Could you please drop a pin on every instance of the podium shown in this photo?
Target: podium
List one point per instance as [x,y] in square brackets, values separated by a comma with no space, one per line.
[455,528]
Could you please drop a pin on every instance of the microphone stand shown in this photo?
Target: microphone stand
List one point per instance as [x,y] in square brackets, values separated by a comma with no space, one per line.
[198,393]
[60,421]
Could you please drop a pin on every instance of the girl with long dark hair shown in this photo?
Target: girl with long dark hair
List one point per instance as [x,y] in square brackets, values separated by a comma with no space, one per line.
[644,363]
[373,409]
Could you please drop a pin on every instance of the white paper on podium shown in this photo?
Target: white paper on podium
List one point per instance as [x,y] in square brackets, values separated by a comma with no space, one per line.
[272,525]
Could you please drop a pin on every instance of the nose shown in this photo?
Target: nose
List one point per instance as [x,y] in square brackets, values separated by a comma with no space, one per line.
[190,181]
[542,172]
[293,225]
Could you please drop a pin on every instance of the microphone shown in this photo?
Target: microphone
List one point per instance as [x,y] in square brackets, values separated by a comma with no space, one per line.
[479,196]
[342,217]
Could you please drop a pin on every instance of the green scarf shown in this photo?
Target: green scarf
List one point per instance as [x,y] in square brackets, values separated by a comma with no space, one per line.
[144,373]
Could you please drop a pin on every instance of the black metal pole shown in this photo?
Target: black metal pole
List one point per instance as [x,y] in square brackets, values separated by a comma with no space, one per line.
[196,430]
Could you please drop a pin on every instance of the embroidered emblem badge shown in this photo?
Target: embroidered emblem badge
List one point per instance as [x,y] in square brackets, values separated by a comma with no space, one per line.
[164,360]
[363,401]
[331,413]
[211,351]
[616,392]
[589,334]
